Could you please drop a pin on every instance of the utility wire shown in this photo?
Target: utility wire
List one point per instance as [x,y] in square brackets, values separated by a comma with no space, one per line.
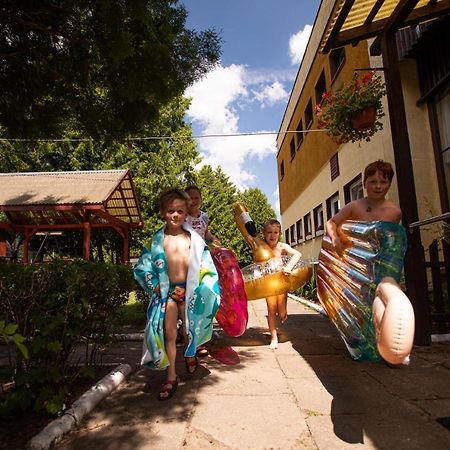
[172,137]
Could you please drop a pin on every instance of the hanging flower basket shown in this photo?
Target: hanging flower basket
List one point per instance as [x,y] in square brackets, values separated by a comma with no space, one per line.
[339,112]
[364,118]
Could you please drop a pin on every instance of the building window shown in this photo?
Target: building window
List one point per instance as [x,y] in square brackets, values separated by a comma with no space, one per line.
[334,166]
[299,133]
[292,148]
[353,190]
[332,205]
[282,170]
[320,88]
[300,230]
[318,220]
[286,236]
[309,115]
[292,229]
[337,59]
[308,227]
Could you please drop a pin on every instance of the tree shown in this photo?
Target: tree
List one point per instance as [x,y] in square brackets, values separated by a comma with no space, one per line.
[102,68]
[155,165]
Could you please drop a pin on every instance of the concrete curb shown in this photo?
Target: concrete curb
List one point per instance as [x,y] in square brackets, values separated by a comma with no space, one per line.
[309,304]
[129,337]
[79,409]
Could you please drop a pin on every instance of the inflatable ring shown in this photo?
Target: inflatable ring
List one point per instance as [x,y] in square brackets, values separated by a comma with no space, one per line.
[232,314]
[360,294]
[267,279]
[266,276]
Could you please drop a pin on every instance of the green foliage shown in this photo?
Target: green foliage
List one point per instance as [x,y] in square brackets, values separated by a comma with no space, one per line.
[309,289]
[336,110]
[155,164]
[218,196]
[57,308]
[104,68]
[8,334]
[133,312]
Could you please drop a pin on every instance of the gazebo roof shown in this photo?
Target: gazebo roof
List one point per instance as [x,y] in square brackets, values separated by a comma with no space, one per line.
[52,198]
[355,20]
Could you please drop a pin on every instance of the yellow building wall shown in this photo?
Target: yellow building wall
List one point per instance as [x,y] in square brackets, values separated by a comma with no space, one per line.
[317,148]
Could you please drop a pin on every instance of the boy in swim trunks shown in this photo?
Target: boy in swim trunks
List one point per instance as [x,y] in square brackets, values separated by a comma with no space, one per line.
[178,264]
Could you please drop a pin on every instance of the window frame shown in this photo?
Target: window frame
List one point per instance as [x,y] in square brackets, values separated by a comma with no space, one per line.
[299,133]
[320,87]
[336,62]
[307,226]
[286,236]
[349,186]
[292,234]
[292,148]
[299,225]
[318,229]
[309,114]
[330,212]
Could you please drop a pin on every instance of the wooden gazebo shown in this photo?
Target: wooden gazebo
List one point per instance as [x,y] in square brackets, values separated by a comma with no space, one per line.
[61,201]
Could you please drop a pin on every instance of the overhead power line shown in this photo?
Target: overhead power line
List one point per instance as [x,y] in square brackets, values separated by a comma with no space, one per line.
[167,137]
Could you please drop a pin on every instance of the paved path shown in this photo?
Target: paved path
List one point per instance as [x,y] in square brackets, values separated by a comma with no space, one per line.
[307,394]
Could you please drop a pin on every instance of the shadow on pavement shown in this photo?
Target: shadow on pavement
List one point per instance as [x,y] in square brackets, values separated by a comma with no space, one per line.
[370,401]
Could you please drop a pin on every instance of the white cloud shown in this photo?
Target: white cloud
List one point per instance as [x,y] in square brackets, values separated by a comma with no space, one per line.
[298,43]
[215,110]
[271,94]
[275,201]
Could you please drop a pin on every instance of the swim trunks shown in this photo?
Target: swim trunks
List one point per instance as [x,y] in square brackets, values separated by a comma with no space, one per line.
[177,292]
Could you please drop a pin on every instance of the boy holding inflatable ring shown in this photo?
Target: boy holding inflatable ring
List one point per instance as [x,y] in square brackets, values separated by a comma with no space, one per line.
[375,207]
[277,304]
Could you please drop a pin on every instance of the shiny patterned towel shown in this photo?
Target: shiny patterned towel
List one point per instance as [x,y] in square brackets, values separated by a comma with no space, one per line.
[202,297]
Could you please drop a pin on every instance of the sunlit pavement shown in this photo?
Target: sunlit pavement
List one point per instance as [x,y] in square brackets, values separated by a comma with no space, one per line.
[307,394]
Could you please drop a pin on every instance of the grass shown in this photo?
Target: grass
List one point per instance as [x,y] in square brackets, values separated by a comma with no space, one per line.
[132,313]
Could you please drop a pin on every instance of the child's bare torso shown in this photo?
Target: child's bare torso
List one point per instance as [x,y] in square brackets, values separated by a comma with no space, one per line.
[279,250]
[177,249]
[385,211]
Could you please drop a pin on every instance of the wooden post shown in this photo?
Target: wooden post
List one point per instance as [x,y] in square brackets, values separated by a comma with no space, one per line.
[26,241]
[415,271]
[126,247]
[87,241]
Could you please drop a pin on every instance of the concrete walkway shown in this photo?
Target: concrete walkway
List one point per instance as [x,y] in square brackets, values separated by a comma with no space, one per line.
[307,394]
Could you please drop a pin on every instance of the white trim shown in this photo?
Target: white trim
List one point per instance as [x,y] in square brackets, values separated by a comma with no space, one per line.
[440,337]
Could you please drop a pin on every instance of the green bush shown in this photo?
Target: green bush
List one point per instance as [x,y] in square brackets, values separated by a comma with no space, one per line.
[309,289]
[57,307]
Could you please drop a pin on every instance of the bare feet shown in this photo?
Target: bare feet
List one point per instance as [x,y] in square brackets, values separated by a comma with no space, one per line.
[273,343]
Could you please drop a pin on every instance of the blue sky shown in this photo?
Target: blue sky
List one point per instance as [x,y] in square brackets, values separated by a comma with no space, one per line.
[263,43]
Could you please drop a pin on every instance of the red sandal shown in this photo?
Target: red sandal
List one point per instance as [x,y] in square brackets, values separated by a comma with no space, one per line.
[169,387]
[191,363]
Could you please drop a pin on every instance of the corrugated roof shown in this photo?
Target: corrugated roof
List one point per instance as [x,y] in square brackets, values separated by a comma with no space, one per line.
[58,197]
[355,20]
[58,188]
